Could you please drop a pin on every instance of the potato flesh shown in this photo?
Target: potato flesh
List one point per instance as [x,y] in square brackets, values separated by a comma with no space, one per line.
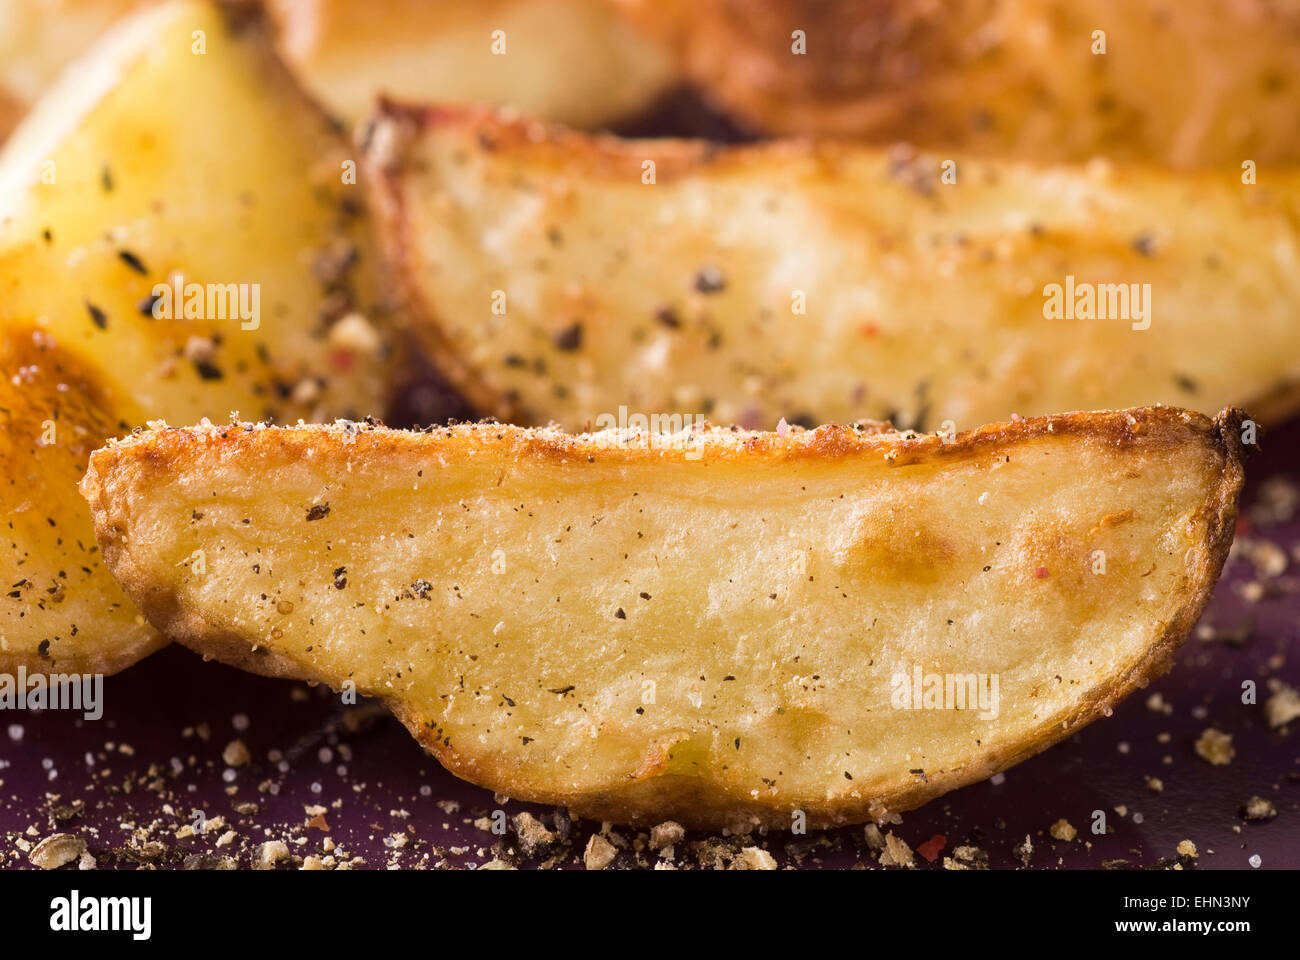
[649,637]
[572,61]
[162,161]
[922,301]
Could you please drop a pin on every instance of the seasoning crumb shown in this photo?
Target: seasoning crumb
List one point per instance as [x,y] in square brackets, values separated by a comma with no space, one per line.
[534,839]
[1063,830]
[1282,707]
[1187,849]
[235,754]
[666,834]
[1215,747]
[1024,852]
[896,853]
[599,854]
[1258,808]
[56,850]
[874,839]
[754,858]
[267,855]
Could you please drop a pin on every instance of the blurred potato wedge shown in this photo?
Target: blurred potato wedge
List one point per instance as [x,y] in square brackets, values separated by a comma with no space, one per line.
[552,281]
[708,626]
[176,152]
[578,62]
[41,37]
[1188,83]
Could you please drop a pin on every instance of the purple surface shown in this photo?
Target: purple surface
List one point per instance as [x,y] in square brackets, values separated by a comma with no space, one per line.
[129,782]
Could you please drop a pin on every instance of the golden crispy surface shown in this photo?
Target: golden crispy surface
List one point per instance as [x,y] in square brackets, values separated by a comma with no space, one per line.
[826,283]
[709,632]
[572,61]
[150,162]
[61,611]
[1184,82]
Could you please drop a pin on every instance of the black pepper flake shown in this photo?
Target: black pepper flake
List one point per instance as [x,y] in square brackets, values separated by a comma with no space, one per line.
[569,339]
[1185,382]
[317,511]
[132,261]
[340,581]
[97,316]
[1145,244]
[847,775]
[562,690]
[207,370]
[106,178]
[710,280]
[146,305]
[669,318]
[645,596]
[619,614]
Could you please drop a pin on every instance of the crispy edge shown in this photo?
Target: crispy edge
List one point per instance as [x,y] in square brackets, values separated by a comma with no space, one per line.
[117,471]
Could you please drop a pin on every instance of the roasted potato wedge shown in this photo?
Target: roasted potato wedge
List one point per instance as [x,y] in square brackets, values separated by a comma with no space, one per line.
[708,626]
[573,61]
[824,283]
[153,161]
[1184,82]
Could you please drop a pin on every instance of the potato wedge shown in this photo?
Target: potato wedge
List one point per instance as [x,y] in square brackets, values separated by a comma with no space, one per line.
[572,61]
[149,162]
[1185,82]
[824,283]
[708,627]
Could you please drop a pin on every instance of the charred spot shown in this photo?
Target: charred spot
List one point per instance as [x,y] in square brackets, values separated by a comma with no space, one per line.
[207,370]
[668,317]
[146,305]
[318,511]
[569,339]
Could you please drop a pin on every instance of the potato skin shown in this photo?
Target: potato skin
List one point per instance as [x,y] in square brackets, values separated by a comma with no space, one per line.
[1189,83]
[370,554]
[823,282]
[145,187]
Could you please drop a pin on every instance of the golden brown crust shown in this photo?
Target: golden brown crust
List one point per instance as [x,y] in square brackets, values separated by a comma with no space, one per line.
[1189,84]
[125,471]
